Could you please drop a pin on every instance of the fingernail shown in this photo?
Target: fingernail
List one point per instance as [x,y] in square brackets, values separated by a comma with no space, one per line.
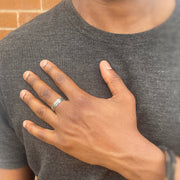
[26,75]
[107,65]
[22,94]
[43,63]
[24,124]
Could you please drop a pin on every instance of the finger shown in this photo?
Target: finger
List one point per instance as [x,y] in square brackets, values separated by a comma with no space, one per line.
[43,134]
[112,79]
[64,82]
[41,110]
[46,93]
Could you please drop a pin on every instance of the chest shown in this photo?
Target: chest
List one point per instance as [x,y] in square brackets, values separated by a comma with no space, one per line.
[152,76]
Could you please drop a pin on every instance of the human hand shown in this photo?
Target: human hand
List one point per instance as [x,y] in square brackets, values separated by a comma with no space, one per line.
[88,128]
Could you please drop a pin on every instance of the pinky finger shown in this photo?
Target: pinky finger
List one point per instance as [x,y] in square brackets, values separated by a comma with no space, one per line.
[45,135]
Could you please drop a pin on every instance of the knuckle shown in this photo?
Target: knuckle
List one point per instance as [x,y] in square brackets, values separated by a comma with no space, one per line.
[80,99]
[41,112]
[114,78]
[62,107]
[60,78]
[78,118]
[32,80]
[65,143]
[83,101]
[45,93]
[74,118]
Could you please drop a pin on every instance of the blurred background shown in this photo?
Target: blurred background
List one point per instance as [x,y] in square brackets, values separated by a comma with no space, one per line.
[14,13]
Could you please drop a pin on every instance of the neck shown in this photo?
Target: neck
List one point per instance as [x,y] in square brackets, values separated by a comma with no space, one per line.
[124,16]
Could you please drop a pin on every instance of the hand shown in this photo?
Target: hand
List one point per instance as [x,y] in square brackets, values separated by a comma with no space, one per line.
[88,128]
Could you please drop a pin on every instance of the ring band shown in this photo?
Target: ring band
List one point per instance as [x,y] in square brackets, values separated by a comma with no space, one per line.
[56,103]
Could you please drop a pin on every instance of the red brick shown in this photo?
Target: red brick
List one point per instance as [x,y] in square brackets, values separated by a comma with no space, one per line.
[48,4]
[8,20]
[3,33]
[24,17]
[20,4]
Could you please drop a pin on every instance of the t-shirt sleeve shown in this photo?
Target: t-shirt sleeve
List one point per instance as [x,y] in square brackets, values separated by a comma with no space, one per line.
[12,152]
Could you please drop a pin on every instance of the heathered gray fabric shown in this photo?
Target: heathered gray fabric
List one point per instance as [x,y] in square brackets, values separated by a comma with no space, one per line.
[148,63]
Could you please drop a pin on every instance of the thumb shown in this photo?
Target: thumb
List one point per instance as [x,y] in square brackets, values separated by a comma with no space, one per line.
[112,79]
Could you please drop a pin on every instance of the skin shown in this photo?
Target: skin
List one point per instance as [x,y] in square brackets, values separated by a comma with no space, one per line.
[23,173]
[124,17]
[97,131]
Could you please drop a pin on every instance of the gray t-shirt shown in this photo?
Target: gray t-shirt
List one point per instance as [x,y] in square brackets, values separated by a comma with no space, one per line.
[148,63]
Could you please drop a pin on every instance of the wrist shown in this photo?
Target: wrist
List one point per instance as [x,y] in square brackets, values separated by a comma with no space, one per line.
[139,160]
[177,173]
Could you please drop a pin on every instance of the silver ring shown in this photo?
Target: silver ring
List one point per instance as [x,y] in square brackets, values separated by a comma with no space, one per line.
[56,103]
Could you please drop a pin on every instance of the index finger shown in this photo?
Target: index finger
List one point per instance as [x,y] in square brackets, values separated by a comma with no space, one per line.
[64,82]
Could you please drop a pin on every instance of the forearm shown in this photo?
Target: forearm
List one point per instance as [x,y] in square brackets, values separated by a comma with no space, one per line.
[177,174]
[141,160]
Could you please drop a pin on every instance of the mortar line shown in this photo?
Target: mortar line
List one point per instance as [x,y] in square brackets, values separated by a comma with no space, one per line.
[18,19]
[41,4]
[20,10]
[3,28]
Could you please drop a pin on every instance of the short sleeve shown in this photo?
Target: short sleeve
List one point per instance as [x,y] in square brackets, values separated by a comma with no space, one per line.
[12,152]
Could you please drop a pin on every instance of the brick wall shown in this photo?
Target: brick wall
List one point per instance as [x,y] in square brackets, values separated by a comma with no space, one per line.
[14,13]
